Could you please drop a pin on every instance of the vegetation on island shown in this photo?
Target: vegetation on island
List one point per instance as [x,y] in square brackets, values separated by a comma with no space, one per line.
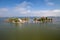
[17,20]
[43,19]
[26,19]
[13,19]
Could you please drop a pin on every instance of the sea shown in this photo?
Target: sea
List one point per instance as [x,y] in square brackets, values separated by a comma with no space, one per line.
[30,31]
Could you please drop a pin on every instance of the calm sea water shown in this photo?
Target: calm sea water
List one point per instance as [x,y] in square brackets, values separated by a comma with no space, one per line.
[30,31]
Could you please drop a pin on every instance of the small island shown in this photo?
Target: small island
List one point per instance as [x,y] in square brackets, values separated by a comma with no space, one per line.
[17,20]
[43,19]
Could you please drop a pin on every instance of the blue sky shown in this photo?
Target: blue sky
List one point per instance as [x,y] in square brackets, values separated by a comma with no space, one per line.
[12,8]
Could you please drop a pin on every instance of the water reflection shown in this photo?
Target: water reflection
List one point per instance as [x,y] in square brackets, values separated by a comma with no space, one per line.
[18,24]
[30,31]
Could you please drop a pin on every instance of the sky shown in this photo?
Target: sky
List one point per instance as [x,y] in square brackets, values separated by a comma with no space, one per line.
[25,8]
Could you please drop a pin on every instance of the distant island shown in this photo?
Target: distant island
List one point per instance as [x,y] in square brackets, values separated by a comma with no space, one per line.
[26,19]
[43,19]
[17,20]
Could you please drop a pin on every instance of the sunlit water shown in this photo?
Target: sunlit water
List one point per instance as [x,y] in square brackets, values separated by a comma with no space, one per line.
[30,31]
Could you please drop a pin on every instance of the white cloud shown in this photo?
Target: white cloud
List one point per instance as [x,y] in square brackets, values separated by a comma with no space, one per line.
[49,2]
[46,13]
[20,9]
[23,8]
[3,9]
[56,10]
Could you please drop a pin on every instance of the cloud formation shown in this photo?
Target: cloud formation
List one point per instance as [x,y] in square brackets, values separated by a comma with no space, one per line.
[3,11]
[46,12]
[49,2]
[25,9]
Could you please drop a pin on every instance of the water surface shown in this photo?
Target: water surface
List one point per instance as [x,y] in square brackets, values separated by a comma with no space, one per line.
[30,31]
